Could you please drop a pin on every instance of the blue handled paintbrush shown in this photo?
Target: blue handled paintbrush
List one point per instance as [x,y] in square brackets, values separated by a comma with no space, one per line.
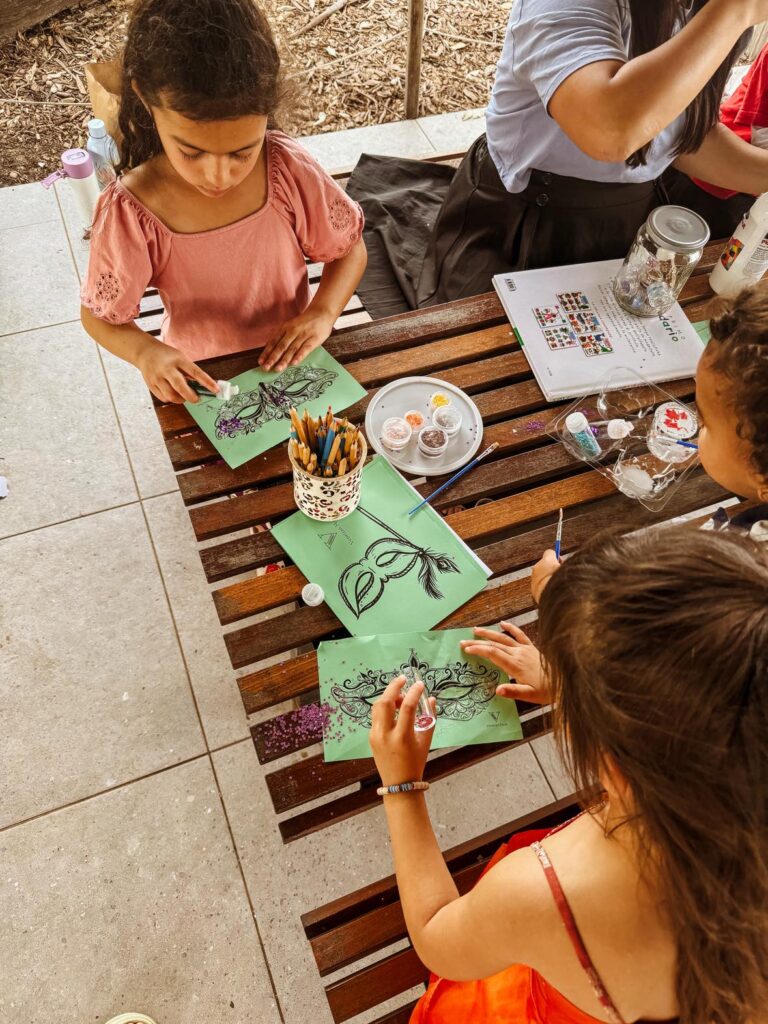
[455,477]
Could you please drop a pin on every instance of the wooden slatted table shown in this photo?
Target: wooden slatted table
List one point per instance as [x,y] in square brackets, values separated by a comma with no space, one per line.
[468,343]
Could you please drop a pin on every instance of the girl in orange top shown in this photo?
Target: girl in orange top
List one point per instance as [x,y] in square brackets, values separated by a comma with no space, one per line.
[652,906]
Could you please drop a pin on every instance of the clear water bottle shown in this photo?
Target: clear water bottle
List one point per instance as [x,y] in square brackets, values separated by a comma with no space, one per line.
[665,251]
[103,151]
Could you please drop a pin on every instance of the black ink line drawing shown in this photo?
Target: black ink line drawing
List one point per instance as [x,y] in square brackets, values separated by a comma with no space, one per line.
[461,690]
[362,583]
[245,413]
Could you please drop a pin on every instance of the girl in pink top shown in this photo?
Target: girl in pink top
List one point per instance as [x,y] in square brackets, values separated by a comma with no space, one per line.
[214,209]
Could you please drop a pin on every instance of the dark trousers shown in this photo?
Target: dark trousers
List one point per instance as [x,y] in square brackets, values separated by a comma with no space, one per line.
[482,229]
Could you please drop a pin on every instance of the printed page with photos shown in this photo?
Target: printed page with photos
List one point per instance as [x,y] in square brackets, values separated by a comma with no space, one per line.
[573,331]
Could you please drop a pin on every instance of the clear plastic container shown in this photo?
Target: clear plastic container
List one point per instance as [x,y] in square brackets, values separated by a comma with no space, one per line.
[416,418]
[396,433]
[448,418]
[425,717]
[438,400]
[665,251]
[433,441]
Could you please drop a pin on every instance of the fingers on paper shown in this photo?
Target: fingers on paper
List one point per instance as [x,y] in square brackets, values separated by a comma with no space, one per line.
[516,633]
[495,637]
[515,691]
[273,355]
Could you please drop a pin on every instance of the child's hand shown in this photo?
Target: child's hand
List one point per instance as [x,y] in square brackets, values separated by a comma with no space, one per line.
[542,572]
[513,653]
[399,751]
[166,372]
[298,338]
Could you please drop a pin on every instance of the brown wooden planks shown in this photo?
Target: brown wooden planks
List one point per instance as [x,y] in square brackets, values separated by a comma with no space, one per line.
[346,806]
[373,985]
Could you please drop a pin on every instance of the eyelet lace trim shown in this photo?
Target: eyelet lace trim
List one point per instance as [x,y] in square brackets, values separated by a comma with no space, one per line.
[105,293]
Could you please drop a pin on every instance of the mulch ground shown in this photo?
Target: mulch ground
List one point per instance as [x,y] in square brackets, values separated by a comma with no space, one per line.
[349,69]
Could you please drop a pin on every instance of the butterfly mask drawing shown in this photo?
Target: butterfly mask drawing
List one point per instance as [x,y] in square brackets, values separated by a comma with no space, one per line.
[246,413]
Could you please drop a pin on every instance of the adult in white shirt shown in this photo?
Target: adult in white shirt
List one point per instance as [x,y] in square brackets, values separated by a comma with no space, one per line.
[593,100]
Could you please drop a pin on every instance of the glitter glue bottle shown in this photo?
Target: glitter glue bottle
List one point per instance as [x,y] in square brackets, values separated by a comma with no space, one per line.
[425,717]
[577,426]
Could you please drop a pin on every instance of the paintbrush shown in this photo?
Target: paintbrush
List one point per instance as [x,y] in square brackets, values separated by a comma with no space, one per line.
[559,535]
[455,477]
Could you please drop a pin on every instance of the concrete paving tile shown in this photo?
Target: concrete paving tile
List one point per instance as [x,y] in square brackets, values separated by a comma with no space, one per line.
[62,451]
[549,759]
[200,632]
[93,690]
[141,431]
[338,151]
[349,854]
[26,204]
[38,283]
[455,132]
[130,901]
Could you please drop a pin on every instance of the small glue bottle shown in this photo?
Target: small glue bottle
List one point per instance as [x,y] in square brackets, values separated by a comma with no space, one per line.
[425,717]
[577,426]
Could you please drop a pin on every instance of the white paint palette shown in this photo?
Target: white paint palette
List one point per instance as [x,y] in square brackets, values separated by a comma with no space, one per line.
[413,393]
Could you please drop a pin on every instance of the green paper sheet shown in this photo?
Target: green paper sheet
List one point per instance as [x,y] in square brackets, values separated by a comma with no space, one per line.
[354,672]
[258,418]
[702,329]
[383,572]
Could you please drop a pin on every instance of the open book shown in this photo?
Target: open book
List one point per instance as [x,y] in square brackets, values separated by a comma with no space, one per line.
[573,331]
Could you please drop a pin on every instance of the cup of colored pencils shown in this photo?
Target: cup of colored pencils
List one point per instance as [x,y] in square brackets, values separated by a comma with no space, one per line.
[327,456]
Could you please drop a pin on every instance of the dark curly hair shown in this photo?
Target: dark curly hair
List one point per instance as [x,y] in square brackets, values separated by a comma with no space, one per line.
[206,59]
[739,351]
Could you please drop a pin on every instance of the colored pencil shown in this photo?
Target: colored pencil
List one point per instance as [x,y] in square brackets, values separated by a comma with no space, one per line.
[323,445]
[455,477]
[688,444]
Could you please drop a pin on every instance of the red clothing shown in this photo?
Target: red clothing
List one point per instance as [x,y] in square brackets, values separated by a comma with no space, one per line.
[744,109]
[516,995]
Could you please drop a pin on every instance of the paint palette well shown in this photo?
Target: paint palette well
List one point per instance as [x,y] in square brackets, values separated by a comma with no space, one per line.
[408,393]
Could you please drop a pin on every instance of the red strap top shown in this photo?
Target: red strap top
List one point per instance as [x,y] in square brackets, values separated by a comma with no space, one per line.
[574,935]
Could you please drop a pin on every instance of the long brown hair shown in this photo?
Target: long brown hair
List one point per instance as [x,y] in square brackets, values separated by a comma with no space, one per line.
[206,59]
[657,647]
[653,23]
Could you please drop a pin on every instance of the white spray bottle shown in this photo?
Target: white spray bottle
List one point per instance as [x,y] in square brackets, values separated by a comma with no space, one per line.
[745,258]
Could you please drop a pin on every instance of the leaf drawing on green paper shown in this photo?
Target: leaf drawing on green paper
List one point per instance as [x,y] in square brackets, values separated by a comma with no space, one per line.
[295,386]
[461,690]
[362,583]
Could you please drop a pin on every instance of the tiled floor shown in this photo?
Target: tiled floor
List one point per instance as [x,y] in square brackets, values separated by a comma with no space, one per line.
[141,863]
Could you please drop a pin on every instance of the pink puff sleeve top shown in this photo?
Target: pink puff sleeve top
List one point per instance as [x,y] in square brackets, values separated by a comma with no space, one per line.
[231,288]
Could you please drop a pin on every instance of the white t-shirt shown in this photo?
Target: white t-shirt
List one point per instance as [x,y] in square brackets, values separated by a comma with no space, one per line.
[546,41]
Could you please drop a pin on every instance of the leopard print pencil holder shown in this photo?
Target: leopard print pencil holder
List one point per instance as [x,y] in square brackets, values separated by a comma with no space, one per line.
[327,498]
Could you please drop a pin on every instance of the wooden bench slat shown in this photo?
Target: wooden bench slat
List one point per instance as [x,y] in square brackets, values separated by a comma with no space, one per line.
[239,600]
[399,1016]
[307,822]
[389,977]
[278,683]
[346,908]
[313,777]
[423,359]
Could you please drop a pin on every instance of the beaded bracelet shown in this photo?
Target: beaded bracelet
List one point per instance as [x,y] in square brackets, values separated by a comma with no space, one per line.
[402,787]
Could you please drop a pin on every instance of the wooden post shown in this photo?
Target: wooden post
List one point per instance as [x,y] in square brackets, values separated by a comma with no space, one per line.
[413,71]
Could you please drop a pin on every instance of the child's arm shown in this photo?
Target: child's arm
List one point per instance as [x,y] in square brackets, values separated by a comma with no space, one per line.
[729,161]
[459,937]
[165,369]
[311,328]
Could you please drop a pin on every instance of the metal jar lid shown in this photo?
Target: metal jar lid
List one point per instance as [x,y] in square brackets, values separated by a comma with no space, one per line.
[675,227]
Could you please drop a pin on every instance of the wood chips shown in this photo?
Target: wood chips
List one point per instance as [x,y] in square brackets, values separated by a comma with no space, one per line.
[349,69]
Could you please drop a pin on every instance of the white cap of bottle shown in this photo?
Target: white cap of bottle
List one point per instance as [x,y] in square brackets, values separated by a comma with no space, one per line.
[312,594]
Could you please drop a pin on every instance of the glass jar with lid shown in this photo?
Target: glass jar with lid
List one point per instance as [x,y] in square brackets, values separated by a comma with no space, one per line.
[665,251]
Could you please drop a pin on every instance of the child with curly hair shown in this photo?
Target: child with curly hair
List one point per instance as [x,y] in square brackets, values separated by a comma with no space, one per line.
[214,207]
